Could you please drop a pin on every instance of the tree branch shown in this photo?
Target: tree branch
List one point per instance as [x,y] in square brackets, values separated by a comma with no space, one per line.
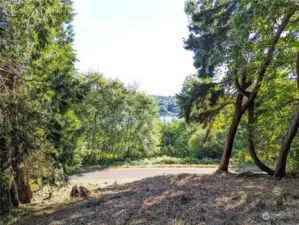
[240,89]
[297,70]
[285,20]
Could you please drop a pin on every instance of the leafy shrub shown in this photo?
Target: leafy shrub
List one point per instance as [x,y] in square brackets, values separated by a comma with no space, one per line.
[174,141]
[166,160]
[203,146]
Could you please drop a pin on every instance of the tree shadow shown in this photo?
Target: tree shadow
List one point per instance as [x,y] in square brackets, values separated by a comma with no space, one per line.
[183,199]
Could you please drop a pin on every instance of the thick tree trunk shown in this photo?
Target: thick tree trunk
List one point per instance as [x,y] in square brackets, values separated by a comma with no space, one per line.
[5,202]
[229,141]
[8,197]
[24,189]
[21,178]
[251,149]
[8,192]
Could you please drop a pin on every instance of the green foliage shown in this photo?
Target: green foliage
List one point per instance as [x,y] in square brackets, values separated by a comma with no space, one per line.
[175,139]
[154,161]
[52,119]
[168,105]
[117,121]
[203,146]
[183,140]
[244,48]
[38,126]
[167,160]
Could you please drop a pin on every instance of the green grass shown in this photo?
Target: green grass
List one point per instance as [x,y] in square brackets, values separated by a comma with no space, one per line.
[243,163]
[166,160]
[163,161]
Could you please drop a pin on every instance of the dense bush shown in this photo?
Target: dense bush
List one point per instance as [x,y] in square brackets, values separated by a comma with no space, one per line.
[206,146]
[174,140]
[117,122]
[183,140]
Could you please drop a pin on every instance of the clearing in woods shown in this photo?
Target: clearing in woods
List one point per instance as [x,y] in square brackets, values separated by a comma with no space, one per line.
[175,199]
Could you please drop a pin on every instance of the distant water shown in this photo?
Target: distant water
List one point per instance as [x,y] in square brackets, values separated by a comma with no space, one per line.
[168,119]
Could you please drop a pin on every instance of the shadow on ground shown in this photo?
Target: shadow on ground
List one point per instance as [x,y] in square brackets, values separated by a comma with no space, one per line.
[183,199]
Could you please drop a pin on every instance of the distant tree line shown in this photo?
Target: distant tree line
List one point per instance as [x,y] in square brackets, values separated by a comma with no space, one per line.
[168,105]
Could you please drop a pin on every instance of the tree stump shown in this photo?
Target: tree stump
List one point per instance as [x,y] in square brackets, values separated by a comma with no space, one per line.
[79,192]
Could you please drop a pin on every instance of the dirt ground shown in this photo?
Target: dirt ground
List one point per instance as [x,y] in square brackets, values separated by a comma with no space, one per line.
[177,199]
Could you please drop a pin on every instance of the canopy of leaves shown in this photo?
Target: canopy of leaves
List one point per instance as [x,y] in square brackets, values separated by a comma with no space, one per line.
[117,121]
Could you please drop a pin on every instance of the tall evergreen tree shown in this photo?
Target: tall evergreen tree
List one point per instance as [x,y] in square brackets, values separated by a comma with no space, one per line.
[37,59]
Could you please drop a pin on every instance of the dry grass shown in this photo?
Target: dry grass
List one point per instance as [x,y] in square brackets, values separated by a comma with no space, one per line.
[178,199]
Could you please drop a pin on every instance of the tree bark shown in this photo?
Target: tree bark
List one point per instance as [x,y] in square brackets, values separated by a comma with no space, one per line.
[24,189]
[8,194]
[229,140]
[286,145]
[251,149]
[288,138]
[14,194]
[239,109]
[5,203]
[21,178]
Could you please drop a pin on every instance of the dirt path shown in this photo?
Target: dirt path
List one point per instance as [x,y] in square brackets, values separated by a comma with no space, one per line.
[110,176]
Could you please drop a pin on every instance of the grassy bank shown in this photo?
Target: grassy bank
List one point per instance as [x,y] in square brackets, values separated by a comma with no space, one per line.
[163,161]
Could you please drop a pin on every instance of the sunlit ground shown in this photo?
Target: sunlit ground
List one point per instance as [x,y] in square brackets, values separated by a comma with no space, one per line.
[178,199]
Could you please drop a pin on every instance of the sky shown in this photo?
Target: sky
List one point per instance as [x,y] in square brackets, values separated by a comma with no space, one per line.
[136,41]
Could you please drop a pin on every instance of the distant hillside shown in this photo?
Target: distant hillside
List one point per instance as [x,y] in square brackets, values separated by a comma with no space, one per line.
[168,105]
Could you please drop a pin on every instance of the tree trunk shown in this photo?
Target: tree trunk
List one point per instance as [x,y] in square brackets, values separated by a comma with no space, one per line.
[14,194]
[229,141]
[286,144]
[288,138]
[8,194]
[8,197]
[5,203]
[24,189]
[251,149]
[239,109]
